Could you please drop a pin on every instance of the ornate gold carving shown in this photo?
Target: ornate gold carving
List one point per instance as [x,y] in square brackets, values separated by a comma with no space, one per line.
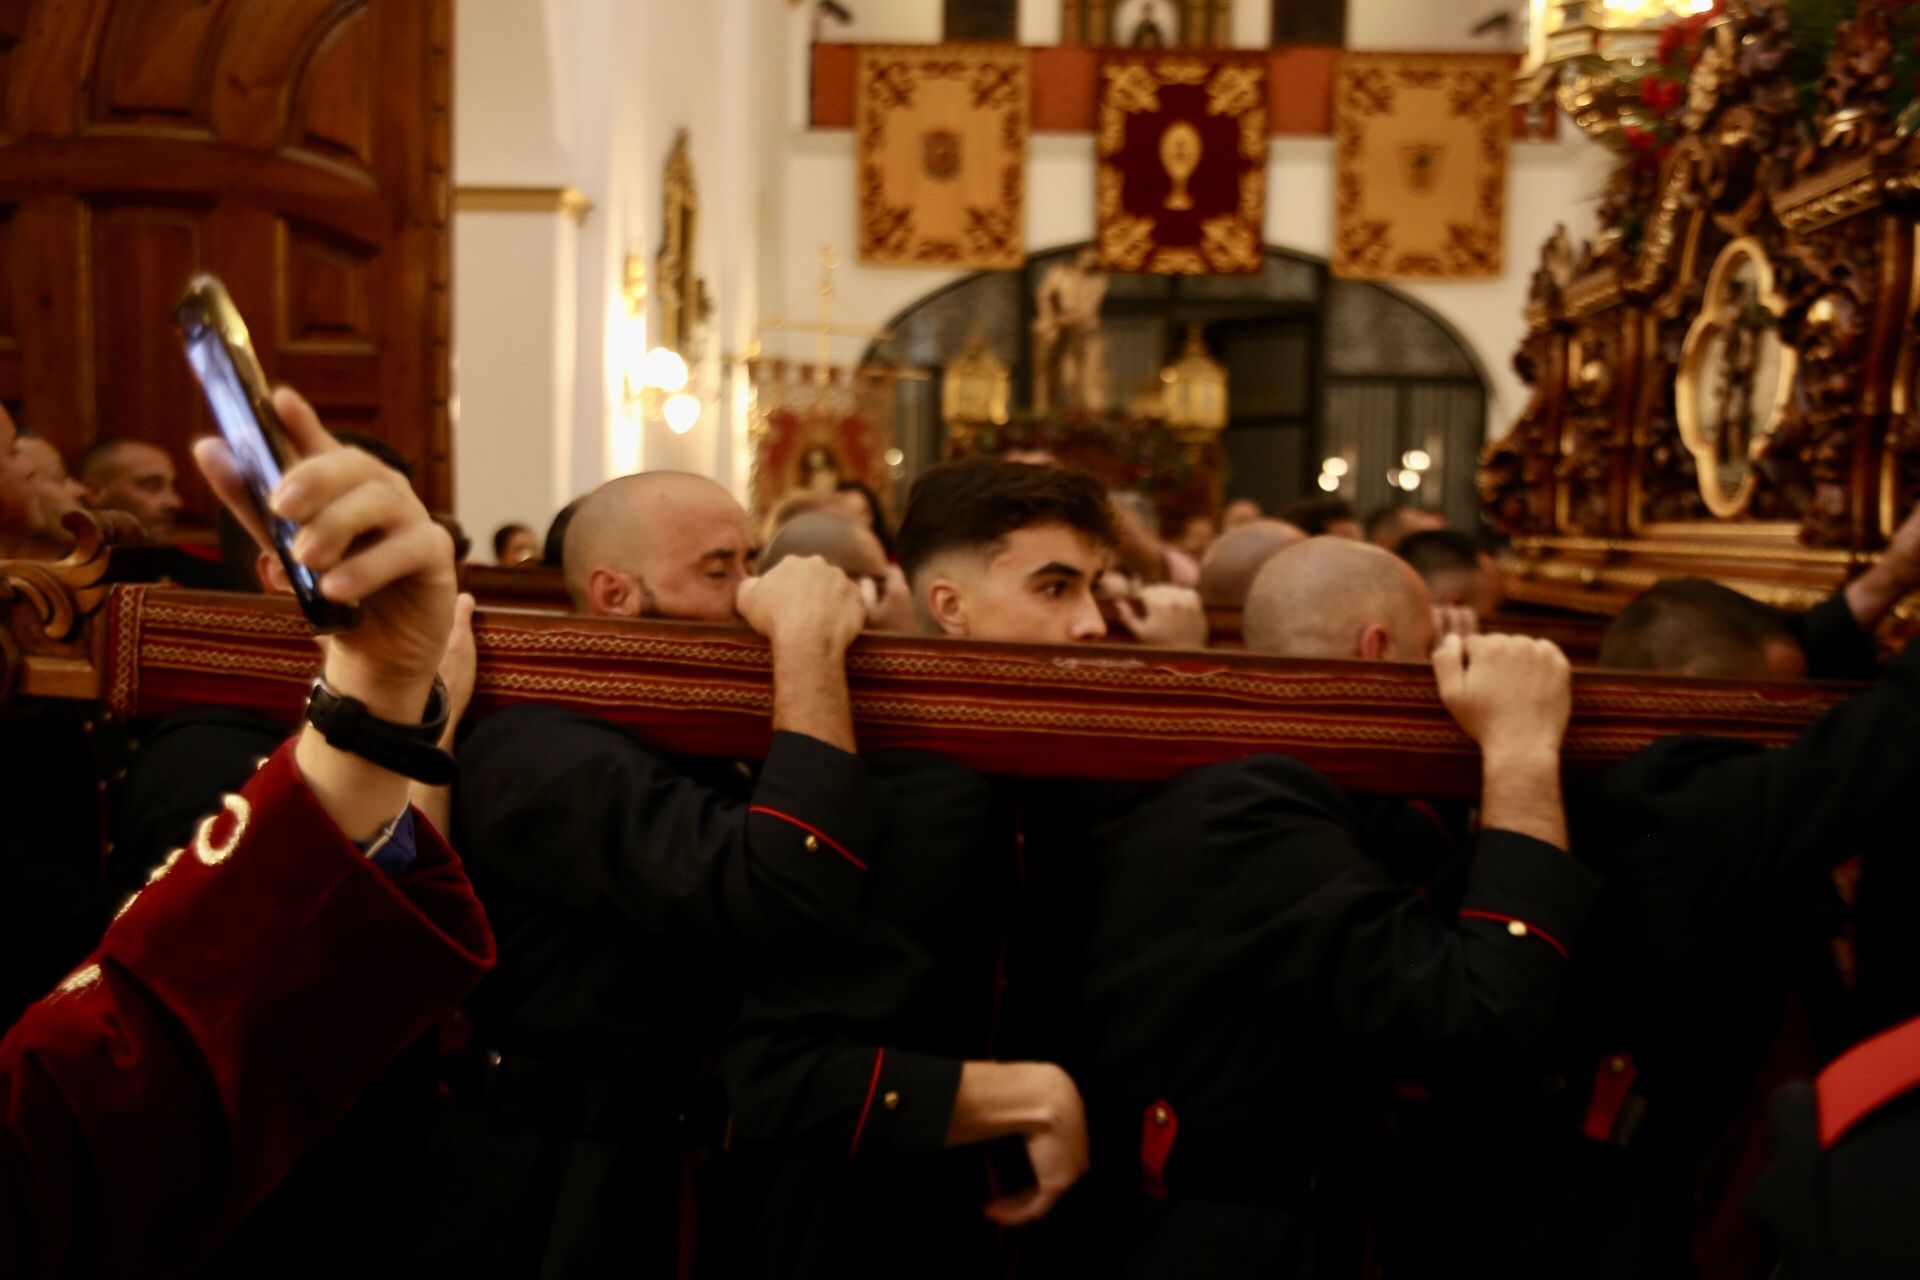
[680,292]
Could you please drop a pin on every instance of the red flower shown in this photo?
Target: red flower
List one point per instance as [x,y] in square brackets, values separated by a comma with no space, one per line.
[1639,139]
[1660,94]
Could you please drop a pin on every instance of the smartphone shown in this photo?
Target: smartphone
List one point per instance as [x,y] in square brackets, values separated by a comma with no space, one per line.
[221,354]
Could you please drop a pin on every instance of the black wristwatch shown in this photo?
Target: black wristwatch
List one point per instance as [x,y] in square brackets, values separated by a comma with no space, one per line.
[410,750]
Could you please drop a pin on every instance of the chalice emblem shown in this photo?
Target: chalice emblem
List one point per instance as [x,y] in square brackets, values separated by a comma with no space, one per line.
[1180,152]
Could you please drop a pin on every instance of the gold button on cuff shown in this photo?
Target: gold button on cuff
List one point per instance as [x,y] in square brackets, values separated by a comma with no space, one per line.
[1160,1116]
[892,1100]
[1516,928]
[811,844]
[1617,1065]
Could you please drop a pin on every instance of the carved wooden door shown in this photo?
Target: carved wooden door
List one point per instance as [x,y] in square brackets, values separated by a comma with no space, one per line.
[299,149]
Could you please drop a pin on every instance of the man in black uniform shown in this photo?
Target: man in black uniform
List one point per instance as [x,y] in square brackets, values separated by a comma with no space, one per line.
[1249,962]
[1716,855]
[619,881]
[872,1123]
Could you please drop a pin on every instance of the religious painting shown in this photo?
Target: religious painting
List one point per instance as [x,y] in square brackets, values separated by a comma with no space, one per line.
[1182,183]
[942,133]
[1737,377]
[1420,153]
[1310,22]
[816,429]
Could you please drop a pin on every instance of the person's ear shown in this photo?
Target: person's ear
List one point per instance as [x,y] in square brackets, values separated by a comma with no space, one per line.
[947,606]
[1375,643]
[272,574]
[612,594]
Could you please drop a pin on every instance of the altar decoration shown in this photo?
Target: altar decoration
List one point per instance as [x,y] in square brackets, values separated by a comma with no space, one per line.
[942,135]
[1420,149]
[1182,147]
[817,427]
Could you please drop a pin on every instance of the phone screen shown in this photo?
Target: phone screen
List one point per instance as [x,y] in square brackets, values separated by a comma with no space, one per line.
[251,452]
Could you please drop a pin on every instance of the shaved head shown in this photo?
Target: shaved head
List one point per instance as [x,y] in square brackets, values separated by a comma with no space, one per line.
[1337,598]
[663,544]
[849,547]
[1232,563]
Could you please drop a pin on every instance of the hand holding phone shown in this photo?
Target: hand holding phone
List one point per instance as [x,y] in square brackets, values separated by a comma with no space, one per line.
[221,353]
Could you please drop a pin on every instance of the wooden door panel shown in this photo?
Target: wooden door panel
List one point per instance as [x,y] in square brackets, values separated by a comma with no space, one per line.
[333,112]
[297,148]
[142,386]
[152,65]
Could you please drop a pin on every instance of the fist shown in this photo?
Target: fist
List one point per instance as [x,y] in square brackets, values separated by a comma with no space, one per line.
[804,600]
[1512,694]
[1166,617]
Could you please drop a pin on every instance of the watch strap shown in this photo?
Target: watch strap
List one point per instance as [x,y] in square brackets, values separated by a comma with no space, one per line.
[412,751]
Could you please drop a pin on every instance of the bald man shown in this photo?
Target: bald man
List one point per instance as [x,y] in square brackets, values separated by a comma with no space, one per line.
[1331,597]
[1232,562]
[135,477]
[663,544]
[1254,970]
[855,550]
[610,865]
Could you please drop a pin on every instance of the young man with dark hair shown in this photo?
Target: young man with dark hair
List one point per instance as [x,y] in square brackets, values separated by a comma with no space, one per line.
[1697,627]
[863,1077]
[1007,551]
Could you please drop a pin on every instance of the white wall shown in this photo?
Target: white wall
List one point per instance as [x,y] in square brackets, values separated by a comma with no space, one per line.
[590,93]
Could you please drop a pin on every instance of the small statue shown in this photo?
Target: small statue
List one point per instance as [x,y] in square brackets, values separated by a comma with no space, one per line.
[1069,346]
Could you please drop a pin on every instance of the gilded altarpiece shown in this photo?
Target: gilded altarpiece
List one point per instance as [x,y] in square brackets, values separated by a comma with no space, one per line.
[1722,380]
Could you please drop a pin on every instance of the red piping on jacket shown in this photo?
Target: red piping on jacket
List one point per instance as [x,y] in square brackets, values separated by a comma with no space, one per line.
[1534,930]
[879,1056]
[811,830]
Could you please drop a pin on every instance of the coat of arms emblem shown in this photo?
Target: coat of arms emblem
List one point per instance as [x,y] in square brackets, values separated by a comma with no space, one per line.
[943,155]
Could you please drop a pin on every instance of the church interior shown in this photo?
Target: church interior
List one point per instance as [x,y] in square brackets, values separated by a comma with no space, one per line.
[977,638]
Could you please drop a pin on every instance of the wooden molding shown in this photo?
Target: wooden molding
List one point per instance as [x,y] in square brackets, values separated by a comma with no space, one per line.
[570,201]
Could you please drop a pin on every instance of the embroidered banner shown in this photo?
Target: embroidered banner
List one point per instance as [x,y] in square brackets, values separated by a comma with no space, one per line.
[1183,163]
[1092,712]
[1420,147]
[942,133]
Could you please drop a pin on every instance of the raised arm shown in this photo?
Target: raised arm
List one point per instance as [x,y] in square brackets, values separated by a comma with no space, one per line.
[243,999]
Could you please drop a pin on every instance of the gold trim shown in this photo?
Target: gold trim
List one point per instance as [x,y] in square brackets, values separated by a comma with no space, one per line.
[75,983]
[1746,549]
[203,846]
[570,201]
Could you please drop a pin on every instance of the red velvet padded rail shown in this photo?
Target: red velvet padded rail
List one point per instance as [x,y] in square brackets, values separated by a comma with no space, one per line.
[1095,713]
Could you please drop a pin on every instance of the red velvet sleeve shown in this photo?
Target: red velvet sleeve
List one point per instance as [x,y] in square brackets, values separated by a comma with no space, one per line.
[236,1008]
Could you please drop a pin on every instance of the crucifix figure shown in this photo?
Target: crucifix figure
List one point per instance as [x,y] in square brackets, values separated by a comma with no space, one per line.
[1069,346]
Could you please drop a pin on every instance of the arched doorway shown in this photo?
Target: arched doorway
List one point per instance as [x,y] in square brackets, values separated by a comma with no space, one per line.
[1320,368]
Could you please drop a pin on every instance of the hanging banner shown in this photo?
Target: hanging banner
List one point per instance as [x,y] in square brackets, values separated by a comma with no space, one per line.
[1420,147]
[942,132]
[1183,163]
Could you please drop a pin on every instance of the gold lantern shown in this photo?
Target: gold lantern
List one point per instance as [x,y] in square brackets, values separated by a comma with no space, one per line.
[1195,389]
[977,386]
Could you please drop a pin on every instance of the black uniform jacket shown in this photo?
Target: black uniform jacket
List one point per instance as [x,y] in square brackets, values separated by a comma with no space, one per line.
[843,1069]
[1251,966]
[619,881]
[1715,854]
